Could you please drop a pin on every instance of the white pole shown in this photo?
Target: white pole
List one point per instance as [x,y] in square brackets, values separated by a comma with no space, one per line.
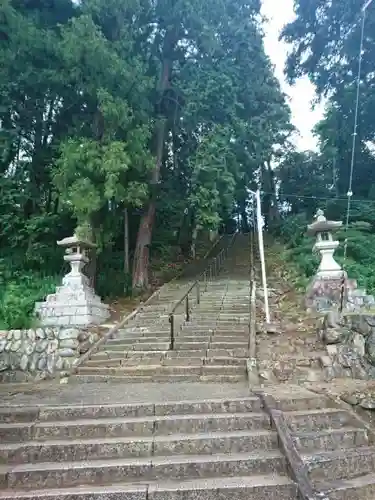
[366,5]
[261,252]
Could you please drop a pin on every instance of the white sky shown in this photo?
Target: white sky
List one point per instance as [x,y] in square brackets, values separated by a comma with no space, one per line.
[279,13]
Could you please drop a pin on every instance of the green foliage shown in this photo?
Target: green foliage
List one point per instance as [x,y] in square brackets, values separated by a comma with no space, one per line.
[359,263]
[114,105]
[18,296]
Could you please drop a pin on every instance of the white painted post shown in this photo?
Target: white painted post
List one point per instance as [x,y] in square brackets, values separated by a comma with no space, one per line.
[261,254]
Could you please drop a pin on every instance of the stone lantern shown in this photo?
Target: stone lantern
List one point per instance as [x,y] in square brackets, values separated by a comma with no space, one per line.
[75,302]
[322,229]
[326,289]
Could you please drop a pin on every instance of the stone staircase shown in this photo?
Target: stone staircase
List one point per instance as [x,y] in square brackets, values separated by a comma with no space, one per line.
[208,437]
[299,447]
[211,347]
[336,448]
[172,450]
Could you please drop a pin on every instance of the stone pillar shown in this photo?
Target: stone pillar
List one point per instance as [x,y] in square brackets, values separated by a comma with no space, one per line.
[75,302]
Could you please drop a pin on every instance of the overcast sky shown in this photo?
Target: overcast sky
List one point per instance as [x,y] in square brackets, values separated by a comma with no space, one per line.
[300,95]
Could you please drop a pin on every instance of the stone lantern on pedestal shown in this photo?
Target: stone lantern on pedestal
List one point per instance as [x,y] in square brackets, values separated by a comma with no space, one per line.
[322,229]
[326,288]
[75,302]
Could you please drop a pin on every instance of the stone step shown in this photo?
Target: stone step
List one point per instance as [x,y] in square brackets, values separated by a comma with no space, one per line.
[358,488]
[340,464]
[304,403]
[224,360]
[265,487]
[189,353]
[145,338]
[145,369]
[310,420]
[229,345]
[138,346]
[116,448]
[234,353]
[331,439]
[117,354]
[190,346]
[137,379]
[126,427]
[69,474]
[21,414]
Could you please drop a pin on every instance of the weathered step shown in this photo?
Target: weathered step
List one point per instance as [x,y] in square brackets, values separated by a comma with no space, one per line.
[181,345]
[235,353]
[67,474]
[144,370]
[234,344]
[138,346]
[12,414]
[358,488]
[224,369]
[331,439]
[304,403]
[340,464]
[195,353]
[224,360]
[126,427]
[266,487]
[138,339]
[310,420]
[116,448]
[108,354]
[137,379]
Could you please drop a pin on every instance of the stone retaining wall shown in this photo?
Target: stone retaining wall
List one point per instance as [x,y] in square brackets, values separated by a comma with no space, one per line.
[41,352]
[350,344]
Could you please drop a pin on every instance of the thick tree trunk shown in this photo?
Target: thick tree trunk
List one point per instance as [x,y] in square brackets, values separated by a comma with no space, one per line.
[126,241]
[193,247]
[141,256]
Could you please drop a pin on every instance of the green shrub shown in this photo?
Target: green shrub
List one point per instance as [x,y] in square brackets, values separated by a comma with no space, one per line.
[18,297]
[360,259]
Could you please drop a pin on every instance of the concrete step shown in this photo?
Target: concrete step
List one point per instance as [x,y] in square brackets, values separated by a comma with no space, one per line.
[314,420]
[68,474]
[116,448]
[127,427]
[358,488]
[340,464]
[265,487]
[331,439]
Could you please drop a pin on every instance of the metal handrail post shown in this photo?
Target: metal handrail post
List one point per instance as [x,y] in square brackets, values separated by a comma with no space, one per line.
[187,308]
[198,293]
[171,321]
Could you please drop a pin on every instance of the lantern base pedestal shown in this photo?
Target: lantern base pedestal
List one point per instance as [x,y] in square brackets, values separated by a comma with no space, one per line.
[324,293]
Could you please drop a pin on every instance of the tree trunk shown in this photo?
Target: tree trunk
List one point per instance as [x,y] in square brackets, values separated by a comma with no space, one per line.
[141,255]
[194,237]
[126,241]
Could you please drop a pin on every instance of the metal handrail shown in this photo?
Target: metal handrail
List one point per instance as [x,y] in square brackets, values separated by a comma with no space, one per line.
[211,272]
